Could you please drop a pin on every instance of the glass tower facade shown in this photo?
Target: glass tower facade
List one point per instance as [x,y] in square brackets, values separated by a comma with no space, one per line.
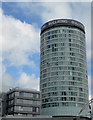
[63,68]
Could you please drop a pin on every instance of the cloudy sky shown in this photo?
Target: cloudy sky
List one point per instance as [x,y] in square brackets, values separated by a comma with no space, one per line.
[20,38]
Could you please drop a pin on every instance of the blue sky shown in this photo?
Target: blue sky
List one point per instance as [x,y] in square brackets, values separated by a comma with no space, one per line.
[21,37]
[16,10]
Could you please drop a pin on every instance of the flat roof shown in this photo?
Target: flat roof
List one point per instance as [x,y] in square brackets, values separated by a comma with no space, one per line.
[17,89]
[62,22]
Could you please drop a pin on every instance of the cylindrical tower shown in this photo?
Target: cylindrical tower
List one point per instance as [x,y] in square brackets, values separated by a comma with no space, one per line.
[63,68]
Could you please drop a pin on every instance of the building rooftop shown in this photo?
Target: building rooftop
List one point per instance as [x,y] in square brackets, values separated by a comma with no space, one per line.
[63,22]
[23,90]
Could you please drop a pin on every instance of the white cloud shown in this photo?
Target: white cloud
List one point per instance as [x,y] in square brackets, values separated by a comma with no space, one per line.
[28,81]
[85,18]
[55,10]
[19,40]
[24,81]
[7,82]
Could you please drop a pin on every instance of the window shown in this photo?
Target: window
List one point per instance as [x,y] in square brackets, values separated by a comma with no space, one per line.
[70,49]
[72,68]
[63,93]
[16,93]
[80,89]
[56,31]
[69,40]
[55,45]
[60,31]
[64,98]
[62,44]
[21,108]
[60,68]
[34,109]
[48,33]
[73,54]
[11,102]
[70,31]
[54,36]
[48,37]
[69,35]
[73,78]
[48,46]
[62,53]
[72,98]
[69,44]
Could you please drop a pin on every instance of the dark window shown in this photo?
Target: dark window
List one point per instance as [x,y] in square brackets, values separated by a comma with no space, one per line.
[81,89]
[69,88]
[69,44]
[73,78]
[60,68]
[70,49]
[56,31]
[63,93]
[43,53]
[70,31]
[55,45]
[48,37]
[56,63]
[69,40]
[70,63]
[69,35]
[34,109]
[53,49]
[63,98]
[48,33]
[54,36]
[72,98]
[48,46]
[72,68]
[72,54]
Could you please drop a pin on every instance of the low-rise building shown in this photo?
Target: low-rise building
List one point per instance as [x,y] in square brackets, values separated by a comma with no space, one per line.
[3,104]
[23,102]
[0,107]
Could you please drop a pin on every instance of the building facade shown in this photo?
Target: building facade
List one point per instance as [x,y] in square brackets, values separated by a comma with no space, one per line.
[3,104]
[23,102]
[63,68]
[0,107]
